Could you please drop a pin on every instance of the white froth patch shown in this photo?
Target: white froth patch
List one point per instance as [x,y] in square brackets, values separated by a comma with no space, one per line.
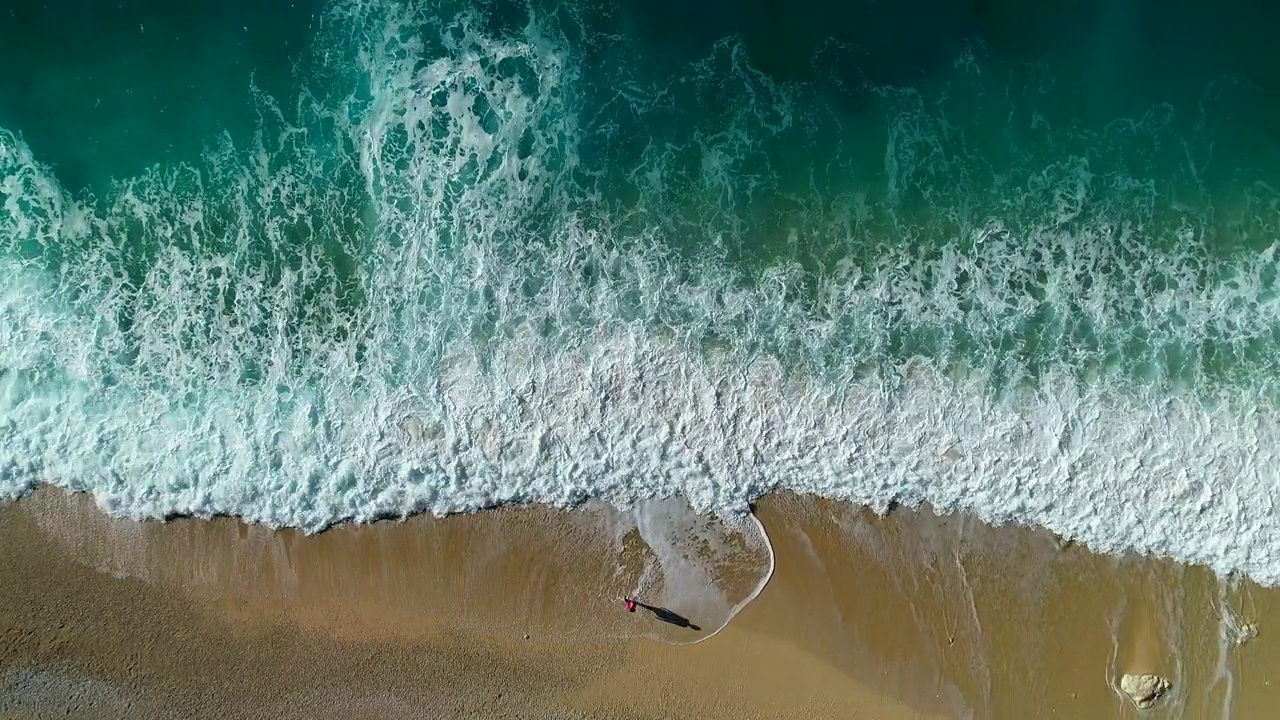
[629,418]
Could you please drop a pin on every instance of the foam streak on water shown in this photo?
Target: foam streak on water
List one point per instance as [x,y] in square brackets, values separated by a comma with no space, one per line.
[464,278]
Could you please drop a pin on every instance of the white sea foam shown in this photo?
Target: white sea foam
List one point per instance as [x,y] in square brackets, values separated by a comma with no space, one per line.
[515,344]
[629,418]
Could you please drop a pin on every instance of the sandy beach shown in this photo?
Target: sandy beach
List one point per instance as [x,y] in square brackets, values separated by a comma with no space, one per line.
[513,613]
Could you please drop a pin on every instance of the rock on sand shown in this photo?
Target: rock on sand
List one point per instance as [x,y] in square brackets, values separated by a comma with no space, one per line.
[1145,690]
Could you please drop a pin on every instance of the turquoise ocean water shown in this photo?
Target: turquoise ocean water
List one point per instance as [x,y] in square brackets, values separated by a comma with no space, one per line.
[334,261]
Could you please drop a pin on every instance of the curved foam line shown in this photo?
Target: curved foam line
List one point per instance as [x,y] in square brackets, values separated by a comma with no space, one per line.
[755,593]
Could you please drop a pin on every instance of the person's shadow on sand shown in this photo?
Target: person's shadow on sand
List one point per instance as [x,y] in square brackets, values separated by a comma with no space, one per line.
[667,616]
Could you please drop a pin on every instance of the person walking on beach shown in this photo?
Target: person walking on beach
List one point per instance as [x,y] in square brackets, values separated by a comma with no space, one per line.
[661,613]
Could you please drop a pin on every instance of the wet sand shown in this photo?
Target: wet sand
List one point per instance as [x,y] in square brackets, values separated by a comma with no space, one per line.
[514,613]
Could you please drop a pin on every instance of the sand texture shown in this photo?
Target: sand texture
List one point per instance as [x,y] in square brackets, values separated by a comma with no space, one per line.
[513,613]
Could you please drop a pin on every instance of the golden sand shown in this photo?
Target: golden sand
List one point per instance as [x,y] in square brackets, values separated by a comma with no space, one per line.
[515,613]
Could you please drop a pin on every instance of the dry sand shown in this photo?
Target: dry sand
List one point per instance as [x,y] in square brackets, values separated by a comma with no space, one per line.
[514,613]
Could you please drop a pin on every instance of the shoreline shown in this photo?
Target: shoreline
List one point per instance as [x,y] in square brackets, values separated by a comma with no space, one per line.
[509,611]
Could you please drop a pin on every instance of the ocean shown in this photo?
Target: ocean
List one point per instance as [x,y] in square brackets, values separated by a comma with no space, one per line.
[341,261]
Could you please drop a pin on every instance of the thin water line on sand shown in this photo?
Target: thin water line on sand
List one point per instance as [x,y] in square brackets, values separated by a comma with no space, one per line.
[1229,633]
[1112,669]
